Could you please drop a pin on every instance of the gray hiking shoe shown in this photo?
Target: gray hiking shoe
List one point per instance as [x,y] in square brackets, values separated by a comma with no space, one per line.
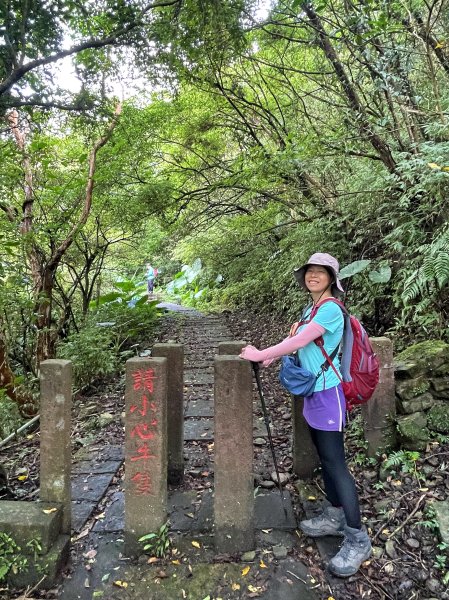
[356,548]
[330,522]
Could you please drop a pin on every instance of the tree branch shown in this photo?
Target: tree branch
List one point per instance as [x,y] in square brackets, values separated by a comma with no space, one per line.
[22,69]
[59,252]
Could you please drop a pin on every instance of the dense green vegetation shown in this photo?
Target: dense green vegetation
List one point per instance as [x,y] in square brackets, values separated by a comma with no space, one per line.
[253,141]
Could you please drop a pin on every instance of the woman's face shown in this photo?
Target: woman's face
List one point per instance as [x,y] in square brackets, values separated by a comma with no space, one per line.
[317,279]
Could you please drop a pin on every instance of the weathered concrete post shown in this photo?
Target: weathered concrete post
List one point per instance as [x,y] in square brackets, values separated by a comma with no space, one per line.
[305,457]
[230,348]
[174,353]
[55,440]
[233,449]
[145,449]
[380,410]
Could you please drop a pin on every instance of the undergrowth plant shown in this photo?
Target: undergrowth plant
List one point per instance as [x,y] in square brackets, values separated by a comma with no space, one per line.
[103,343]
[193,285]
[158,543]
[11,557]
[405,461]
[10,418]
[429,520]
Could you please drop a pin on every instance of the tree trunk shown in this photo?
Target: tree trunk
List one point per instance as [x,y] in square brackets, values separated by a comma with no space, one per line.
[6,374]
[46,337]
[356,106]
[42,269]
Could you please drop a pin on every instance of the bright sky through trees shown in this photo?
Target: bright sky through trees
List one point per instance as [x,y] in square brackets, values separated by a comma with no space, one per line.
[129,84]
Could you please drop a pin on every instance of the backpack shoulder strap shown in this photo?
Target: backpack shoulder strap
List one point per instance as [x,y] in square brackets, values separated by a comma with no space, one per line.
[294,328]
[320,342]
[335,301]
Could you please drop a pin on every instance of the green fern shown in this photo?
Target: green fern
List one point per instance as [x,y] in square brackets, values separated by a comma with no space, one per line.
[433,271]
[406,459]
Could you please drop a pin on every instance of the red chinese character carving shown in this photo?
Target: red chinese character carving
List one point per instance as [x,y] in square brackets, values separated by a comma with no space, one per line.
[144,380]
[144,406]
[141,430]
[143,483]
[144,452]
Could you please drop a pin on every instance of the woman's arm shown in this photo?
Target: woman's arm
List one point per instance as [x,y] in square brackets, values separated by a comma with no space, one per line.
[310,332]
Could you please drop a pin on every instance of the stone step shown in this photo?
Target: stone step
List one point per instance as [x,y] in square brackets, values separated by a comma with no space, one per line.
[30,524]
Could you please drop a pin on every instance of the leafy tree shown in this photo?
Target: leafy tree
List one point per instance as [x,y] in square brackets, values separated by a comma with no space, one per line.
[102,36]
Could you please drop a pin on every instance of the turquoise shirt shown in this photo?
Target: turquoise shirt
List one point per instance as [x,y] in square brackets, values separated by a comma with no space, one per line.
[330,317]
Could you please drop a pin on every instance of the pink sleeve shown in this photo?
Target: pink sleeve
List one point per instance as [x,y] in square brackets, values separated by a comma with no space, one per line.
[310,332]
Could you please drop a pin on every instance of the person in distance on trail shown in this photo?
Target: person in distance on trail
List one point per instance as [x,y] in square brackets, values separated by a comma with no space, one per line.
[151,276]
[324,412]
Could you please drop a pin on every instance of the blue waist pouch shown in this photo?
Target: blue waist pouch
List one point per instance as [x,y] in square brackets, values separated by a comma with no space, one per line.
[295,379]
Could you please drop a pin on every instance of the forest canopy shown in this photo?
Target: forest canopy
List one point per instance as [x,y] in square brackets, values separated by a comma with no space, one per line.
[247,135]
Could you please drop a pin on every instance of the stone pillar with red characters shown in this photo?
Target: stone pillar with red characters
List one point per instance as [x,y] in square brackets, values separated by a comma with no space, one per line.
[145,449]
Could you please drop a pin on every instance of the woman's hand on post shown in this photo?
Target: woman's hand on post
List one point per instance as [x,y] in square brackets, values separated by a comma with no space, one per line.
[251,353]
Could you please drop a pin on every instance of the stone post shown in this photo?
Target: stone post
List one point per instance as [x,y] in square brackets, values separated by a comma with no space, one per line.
[55,440]
[174,353]
[305,457]
[145,449]
[230,348]
[379,412]
[233,449]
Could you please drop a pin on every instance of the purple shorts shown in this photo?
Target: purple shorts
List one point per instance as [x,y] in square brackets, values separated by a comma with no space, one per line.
[326,410]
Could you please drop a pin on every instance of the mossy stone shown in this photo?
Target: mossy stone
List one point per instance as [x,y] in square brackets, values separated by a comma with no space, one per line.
[419,404]
[413,431]
[422,358]
[442,514]
[440,388]
[410,388]
[438,417]
[48,565]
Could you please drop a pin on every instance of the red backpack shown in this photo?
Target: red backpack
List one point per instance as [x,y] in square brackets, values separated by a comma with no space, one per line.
[359,365]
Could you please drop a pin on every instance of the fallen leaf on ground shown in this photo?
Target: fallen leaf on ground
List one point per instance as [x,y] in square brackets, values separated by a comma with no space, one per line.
[196,544]
[235,587]
[152,560]
[245,571]
[48,511]
[254,590]
[82,534]
[262,565]
[121,584]
[162,574]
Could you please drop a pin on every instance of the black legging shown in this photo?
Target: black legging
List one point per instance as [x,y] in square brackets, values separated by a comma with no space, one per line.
[338,481]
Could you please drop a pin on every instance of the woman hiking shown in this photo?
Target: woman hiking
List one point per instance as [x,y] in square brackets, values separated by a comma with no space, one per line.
[324,411]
